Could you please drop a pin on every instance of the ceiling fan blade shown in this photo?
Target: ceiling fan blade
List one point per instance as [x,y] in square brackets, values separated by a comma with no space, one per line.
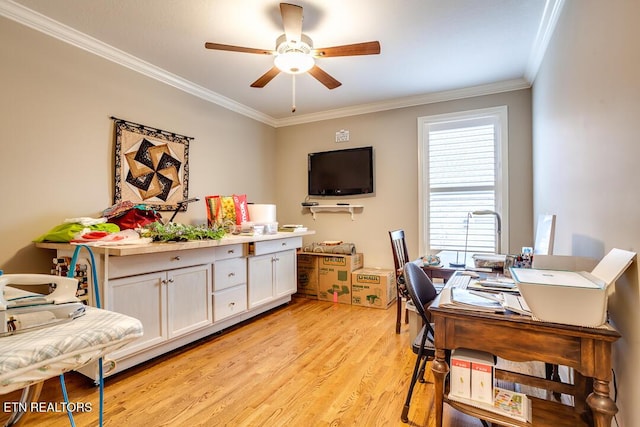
[266,78]
[291,21]
[228,47]
[366,48]
[324,78]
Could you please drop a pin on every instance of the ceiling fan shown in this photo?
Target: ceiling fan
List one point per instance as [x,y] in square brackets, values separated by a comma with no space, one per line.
[294,53]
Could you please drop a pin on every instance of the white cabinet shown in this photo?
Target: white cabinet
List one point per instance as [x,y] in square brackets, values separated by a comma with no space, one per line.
[285,273]
[272,270]
[185,291]
[142,297]
[188,305]
[169,304]
[261,271]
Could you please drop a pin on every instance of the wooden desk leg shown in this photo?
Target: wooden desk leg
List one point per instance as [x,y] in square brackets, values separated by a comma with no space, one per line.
[602,406]
[440,369]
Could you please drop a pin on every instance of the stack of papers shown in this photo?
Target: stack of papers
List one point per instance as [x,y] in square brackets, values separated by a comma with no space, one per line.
[515,303]
[464,299]
[491,302]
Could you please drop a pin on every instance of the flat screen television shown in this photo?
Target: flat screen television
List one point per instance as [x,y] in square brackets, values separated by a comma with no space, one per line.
[341,172]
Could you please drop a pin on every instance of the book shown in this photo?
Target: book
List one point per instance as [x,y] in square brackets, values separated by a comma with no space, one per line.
[506,403]
[513,404]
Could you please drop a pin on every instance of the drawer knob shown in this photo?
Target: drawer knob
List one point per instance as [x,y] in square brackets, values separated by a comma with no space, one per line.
[231,274]
[232,304]
[176,258]
[231,251]
[284,243]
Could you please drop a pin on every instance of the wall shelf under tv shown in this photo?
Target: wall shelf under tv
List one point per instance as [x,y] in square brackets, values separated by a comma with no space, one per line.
[335,208]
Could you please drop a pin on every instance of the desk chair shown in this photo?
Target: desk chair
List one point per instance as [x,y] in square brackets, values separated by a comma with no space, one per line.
[422,292]
[400,258]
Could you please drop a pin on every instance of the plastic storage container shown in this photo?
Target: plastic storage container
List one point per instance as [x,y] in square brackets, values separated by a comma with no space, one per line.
[415,321]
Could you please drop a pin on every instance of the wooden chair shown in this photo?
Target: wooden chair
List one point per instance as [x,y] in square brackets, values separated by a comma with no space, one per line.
[400,258]
[422,292]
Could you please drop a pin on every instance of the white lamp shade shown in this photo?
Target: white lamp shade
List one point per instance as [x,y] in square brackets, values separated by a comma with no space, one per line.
[294,62]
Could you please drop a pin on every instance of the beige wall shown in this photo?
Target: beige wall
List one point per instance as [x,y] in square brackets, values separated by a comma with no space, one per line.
[394,136]
[57,140]
[58,147]
[586,104]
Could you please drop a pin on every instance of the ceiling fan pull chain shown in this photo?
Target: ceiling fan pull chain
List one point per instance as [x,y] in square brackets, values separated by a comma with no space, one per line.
[293,98]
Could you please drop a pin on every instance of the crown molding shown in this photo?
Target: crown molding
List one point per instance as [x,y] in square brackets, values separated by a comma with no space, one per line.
[411,101]
[50,27]
[548,22]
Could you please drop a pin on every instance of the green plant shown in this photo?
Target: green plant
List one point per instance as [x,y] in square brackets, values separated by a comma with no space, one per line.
[174,232]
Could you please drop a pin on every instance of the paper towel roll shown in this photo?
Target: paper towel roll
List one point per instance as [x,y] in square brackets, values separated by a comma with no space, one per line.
[262,214]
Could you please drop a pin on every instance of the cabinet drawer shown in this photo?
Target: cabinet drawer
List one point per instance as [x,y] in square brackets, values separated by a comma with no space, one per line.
[229,251]
[229,272]
[269,246]
[147,263]
[229,302]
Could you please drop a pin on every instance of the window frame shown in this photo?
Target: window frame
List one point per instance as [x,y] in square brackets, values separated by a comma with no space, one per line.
[500,116]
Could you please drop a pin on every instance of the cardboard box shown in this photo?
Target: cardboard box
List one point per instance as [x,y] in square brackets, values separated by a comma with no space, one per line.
[415,321]
[482,378]
[308,276]
[373,287]
[472,375]
[334,276]
[460,381]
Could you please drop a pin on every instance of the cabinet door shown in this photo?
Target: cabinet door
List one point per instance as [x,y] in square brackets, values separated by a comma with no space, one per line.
[144,298]
[189,299]
[260,279]
[285,273]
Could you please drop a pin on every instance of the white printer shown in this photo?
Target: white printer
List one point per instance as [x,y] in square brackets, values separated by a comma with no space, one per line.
[572,297]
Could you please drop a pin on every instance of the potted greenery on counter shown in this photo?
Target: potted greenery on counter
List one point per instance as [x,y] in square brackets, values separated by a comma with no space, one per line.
[174,232]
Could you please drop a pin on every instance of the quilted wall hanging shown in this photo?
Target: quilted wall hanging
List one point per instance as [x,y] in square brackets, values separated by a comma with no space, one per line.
[151,166]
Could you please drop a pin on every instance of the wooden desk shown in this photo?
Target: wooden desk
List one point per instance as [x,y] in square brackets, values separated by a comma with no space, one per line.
[520,339]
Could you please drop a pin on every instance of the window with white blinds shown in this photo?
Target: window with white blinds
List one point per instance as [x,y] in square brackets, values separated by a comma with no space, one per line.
[462,176]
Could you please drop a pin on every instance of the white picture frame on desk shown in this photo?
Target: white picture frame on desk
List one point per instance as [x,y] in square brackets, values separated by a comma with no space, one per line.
[545,235]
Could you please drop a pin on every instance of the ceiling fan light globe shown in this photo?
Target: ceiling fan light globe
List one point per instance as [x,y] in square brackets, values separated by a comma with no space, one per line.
[294,62]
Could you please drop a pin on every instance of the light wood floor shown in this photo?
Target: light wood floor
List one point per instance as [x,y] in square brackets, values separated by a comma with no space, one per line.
[310,363]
